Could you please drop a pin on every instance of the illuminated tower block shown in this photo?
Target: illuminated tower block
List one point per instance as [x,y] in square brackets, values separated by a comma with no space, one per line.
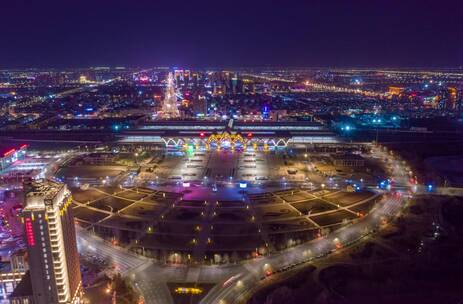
[51,243]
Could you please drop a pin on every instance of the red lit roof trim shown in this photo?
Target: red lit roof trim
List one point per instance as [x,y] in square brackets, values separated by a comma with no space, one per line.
[8,153]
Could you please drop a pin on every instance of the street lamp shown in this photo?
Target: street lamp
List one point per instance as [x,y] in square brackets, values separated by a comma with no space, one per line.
[136,157]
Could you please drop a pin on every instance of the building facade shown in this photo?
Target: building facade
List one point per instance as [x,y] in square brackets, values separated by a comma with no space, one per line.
[51,243]
[10,154]
[11,273]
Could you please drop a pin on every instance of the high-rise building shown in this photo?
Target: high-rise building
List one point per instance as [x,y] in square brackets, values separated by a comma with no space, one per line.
[186,78]
[195,79]
[234,84]
[200,106]
[51,244]
[452,94]
[12,273]
[178,75]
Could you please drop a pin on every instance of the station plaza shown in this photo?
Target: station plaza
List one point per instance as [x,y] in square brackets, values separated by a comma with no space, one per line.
[226,202]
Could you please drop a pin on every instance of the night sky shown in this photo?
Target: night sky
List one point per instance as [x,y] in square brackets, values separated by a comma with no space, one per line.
[231,33]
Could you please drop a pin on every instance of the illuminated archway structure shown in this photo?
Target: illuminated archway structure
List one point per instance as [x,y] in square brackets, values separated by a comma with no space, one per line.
[266,135]
[225,139]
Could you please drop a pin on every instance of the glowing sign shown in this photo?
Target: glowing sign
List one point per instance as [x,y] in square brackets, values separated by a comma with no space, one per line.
[29,232]
[188,290]
[186,185]
[8,153]
[225,137]
[243,185]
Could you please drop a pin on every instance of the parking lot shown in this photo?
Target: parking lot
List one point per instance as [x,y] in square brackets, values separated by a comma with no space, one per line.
[158,221]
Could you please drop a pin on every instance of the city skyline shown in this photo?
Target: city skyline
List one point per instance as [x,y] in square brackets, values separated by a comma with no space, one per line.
[234,177]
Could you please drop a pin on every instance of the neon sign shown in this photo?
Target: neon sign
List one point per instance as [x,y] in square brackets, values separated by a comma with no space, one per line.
[8,153]
[29,232]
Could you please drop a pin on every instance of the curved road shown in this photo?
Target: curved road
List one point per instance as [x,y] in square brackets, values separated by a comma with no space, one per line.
[236,282]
